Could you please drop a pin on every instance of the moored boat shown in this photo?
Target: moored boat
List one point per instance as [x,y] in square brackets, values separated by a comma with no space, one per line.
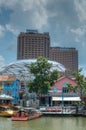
[6,111]
[19,118]
[26,114]
[33,112]
[21,115]
[6,100]
[34,116]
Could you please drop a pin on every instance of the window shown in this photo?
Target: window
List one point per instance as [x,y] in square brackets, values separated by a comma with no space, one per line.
[65,90]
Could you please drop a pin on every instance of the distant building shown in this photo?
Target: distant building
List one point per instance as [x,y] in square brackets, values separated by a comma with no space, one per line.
[66,56]
[31,44]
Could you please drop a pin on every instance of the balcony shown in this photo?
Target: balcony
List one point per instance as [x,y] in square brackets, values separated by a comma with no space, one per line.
[65,94]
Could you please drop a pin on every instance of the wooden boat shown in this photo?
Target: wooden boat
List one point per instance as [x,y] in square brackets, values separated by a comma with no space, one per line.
[6,111]
[21,115]
[17,118]
[26,114]
[34,116]
[33,112]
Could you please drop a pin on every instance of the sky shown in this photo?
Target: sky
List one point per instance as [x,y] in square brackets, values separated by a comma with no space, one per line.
[65,20]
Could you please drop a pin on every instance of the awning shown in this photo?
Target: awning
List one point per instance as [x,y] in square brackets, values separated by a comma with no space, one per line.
[66,99]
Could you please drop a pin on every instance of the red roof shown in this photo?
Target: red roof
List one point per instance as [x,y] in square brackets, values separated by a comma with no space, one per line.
[61,82]
[7,78]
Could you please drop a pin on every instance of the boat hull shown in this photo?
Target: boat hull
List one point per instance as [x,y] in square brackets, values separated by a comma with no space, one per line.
[19,118]
[6,112]
[26,114]
[34,116]
[23,118]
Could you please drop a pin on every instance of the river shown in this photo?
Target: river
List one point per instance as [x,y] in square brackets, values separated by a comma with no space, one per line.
[45,123]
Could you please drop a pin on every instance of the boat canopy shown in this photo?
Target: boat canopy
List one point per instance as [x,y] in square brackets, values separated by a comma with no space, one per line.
[5,97]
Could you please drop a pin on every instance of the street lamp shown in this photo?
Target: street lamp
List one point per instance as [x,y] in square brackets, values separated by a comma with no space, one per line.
[64,85]
[62,100]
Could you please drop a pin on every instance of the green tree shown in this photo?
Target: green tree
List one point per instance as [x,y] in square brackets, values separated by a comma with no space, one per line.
[43,77]
[81,83]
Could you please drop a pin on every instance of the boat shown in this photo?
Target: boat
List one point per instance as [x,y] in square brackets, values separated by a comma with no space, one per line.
[6,100]
[33,113]
[7,107]
[25,114]
[34,116]
[6,111]
[21,115]
[19,118]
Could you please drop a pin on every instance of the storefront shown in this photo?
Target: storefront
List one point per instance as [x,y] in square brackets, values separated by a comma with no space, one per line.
[56,101]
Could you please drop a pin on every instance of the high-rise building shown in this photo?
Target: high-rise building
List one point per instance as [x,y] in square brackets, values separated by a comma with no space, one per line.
[66,56]
[31,44]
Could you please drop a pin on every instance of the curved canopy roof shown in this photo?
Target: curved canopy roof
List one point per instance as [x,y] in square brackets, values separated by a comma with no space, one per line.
[20,68]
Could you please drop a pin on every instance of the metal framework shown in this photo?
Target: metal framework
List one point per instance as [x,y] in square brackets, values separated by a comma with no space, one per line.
[21,71]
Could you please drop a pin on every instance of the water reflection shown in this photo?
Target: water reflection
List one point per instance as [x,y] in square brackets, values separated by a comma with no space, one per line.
[20,125]
[45,123]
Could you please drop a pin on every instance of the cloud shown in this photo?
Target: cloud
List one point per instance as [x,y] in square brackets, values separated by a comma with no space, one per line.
[8,3]
[32,4]
[27,12]
[65,20]
[2,60]
[40,14]
[12,29]
[24,4]
[83,67]
[2,31]
[42,19]
[54,16]
[80,6]
[79,31]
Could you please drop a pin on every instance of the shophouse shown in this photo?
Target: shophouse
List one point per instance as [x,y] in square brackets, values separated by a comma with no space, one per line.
[9,85]
[62,95]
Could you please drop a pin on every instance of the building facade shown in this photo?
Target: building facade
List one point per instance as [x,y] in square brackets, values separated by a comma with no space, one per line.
[62,95]
[32,44]
[9,85]
[66,56]
[12,88]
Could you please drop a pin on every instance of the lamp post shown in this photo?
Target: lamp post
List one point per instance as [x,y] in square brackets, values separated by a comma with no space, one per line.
[62,100]
[64,84]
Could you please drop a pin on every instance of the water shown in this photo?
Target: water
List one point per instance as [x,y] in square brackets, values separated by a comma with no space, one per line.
[45,123]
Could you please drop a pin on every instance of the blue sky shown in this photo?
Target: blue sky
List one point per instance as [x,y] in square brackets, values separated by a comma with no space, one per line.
[65,20]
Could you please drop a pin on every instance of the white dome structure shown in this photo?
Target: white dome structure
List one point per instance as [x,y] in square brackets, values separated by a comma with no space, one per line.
[20,68]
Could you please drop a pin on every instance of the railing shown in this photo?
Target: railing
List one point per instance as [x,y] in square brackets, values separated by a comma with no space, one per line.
[66,95]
